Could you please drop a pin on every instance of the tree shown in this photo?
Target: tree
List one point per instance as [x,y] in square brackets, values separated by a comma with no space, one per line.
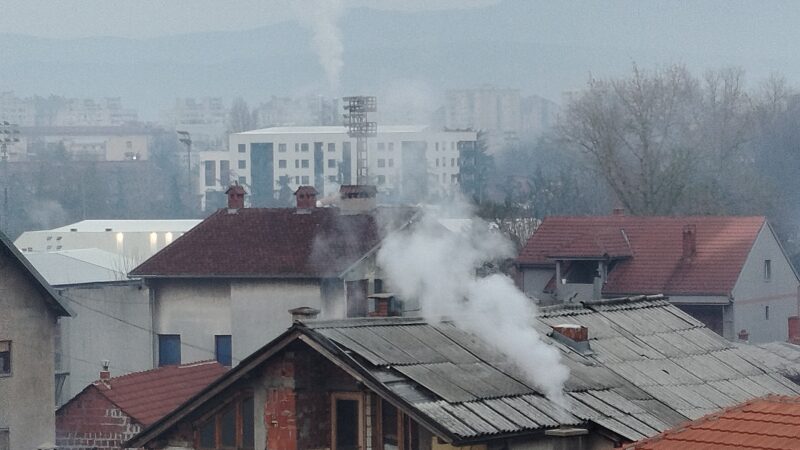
[240,117]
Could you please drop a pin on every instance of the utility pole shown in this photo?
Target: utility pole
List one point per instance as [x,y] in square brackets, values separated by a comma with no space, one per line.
[185,139]
[360,128]
[9,134]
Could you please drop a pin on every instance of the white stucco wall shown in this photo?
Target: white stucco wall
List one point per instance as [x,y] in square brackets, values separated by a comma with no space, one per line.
[112,322]
[260,310]
[753,293]
[534,280]
[27,397]
[196,309]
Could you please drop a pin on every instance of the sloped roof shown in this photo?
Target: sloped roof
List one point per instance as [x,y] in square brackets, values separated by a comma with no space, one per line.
[766,423]
[89,265]
[147,396]
[51,297]
[335,129]
[652,250]
[651,367]
[273,242]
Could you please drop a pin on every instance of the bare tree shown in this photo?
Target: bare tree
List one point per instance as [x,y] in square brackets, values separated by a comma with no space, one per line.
[240,117]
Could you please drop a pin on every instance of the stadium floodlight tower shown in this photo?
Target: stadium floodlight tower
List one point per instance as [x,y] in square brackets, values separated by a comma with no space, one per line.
[359,127]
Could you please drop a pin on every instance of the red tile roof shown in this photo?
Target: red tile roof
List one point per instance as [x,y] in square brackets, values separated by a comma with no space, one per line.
[766,423]
[148,396]
[651,251]
[273,243]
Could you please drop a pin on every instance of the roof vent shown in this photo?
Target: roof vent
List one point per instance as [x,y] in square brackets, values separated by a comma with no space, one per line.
[303,313]
[574,336]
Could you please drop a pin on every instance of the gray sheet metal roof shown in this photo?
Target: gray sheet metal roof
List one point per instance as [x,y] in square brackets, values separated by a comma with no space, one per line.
[652,367]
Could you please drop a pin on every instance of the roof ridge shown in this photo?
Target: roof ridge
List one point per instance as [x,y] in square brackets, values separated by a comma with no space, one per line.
[207,362]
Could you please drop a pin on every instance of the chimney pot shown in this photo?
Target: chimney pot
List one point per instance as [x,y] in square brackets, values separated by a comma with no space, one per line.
[618,211]
[236,195]
[689,241]
[794,329]
[303,313]
[744,336]
[306,197]
[105,374]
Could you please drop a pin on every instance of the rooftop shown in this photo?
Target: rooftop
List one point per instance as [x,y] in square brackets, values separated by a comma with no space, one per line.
[650,251]
[127,226]
[764,423]
[336,129]
[81,266]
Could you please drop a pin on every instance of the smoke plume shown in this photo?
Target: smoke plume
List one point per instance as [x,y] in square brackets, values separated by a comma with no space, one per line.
[322,18]
[439,268]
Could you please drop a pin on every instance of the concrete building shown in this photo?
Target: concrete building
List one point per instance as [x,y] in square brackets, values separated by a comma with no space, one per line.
[228,282]
[136,240]
[407,163]
[729,272]
[494,111]
[29,310]
[82,143]
[312,110]
[204,118]
[638,367]
[55,111]
[111,410]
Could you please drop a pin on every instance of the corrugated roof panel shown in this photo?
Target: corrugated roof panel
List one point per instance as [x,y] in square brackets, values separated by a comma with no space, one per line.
[626,322]
[438,413]
[501,383]
[696,413]
[529,411]
[471,344]
[661,411]
[378,345]
[706,339]
[440,386]
[474,421]
[662,346]
[551,409]
[685,345]
[737,364]
[443,345]
[409,392]
[617,349]
[620,428]
[691,322]
[637,425]
[510,413]
[632,374]
[652,421]
[718,398]
[769,383]
[465,380]
[751,387]
[619,402]
[401,337]
[580,409]
[665,395]
[488,414]
[731,390]
[705,367]
[669,322]
[691,396]
[597,404]
[344,340]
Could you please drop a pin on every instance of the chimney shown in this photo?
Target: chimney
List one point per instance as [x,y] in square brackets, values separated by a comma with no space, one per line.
[105,374]
[355,199]
[573,336]
[618,211]
[744,336]
[303,313]
[235,195]
[306,197]
[385,305]
[794,330]
[689,241]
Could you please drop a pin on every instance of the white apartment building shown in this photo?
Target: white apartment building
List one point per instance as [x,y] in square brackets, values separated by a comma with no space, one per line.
[406,163]
[204,118]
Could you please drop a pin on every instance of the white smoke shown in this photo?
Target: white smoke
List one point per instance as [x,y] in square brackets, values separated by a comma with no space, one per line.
[439,268]
[322,18]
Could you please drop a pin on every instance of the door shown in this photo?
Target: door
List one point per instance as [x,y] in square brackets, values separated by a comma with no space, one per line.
[347,416]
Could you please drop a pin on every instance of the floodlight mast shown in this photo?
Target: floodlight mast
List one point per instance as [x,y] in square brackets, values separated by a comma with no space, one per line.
[360,128]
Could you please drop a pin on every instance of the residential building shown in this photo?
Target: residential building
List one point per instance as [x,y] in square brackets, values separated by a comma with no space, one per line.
[226,284]
[135,240]
[111,410]
[55,111]
[312,110]
[494,111]
[729,272]
[638,367]
[769,422]
[205,119]
[406,163]
[83,143]
[537,115]
[29,310]
[112,319]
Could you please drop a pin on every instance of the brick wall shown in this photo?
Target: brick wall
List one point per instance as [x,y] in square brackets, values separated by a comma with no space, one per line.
[91,421]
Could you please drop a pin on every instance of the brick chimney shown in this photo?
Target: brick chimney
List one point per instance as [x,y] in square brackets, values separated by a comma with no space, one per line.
[385,305]
[235,195]
[689,241]
[306,197]
[618,211]
[572,335]
[105,374]
[794,330]
[356,199]
[303,313]
[744,336]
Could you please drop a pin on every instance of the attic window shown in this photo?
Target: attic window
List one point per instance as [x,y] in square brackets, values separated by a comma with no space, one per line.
[767,270]
[581,272]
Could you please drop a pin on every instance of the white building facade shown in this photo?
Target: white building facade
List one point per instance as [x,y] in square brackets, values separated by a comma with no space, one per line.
[405,162]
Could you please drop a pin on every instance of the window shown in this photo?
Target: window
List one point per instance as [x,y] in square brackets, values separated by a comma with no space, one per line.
[767,270]
[381,179]
[394,430]
[347,417]
[210,173]
[381,146]
[242,164]
[381,163]
[331,147]
[391,162]
[242,180]
[304,164]
[766,312]
[331,163]
[296,180]
[296,147]
[169,349]
[281,148]
[303,147]
[5,440]
[391,146]
[296,163]
[230,427]
[222,349]
[242,148]
[305,179]
[5,358]
[281,163]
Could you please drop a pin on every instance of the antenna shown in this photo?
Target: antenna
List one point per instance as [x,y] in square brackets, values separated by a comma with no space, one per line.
[360,128]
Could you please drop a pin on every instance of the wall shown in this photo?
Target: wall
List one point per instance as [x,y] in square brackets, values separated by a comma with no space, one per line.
[534,280]
[260,310]
[197,310]
[27,397]
[752,293]
[112,322]
[92,422]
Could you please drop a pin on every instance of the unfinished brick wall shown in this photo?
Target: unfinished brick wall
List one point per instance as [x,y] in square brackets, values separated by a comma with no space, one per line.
[90,421]
[280,409]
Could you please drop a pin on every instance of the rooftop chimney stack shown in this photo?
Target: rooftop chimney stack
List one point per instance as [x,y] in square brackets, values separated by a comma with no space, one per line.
[618,211]
[744,336]
[306,197]
[105,374]
[303,313]
[235,195]
[689,241]
[385,305]
[574,336]
[794,330]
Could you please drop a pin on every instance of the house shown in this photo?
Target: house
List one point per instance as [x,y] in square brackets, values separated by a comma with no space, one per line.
[111,410]
[112,317]
[639,366]
[729,272]
[29,310]
[769,422]
[225,285]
